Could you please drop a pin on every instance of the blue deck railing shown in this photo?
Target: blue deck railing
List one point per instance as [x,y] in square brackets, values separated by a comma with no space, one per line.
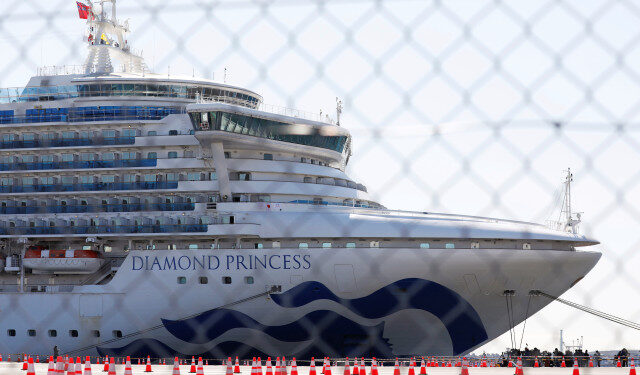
[100,141]
[81,114]
[78,208]
[100,186]
[103,229]
[78,164]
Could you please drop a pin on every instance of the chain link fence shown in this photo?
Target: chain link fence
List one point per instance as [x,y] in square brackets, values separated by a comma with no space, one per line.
[470,107]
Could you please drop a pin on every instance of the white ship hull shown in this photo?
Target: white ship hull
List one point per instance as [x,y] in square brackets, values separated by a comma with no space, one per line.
[332,302]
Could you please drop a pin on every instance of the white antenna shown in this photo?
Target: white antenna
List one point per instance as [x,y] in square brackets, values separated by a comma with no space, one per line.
[225,75]
[338,110]
[571,224]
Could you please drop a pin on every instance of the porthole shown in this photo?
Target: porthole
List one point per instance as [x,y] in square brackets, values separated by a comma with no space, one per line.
[424,245]
[248,280]
[203,280]
[11,332]
[73,332]
[95,333]
[182,280]
[226,279]
[31,333]
[117,333]
[53,333]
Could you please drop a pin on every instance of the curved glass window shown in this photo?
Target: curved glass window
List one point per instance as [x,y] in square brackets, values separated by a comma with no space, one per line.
[258,127]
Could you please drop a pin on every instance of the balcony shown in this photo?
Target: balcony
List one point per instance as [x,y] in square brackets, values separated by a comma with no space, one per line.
[88,114]
[78,164]
[77,208]
[101,186]
[68,142]
[105,229]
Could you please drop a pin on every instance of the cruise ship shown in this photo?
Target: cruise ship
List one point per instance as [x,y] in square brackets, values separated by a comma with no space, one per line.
[152,214]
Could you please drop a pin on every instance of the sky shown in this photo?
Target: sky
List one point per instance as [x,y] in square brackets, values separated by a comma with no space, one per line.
[465,106]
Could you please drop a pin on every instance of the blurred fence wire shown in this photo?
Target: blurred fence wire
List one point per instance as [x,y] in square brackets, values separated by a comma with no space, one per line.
[473,107]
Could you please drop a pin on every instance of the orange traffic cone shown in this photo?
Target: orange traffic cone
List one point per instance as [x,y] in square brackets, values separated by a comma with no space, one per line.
[423,369]
[269,370]
[229,367]
[347,371]
[411,371]
[464,370]
[59,366]
[87,366]
[312,366]
[127,367]
[590,361]
[294,367]
[71,369]
[78,366]
[563,363]
[25,361]
[106,364]
[200,369]
[484,361]
[536,364]
[327,369]
[236,369]
[192,369]
[176,366]
[576,370]
[355,370]
[30,369]
[112,366]
[147,368]
[519,367]
[37,359]
[618,364]
[51,370]
[632,365]
[374,366]
[396,368]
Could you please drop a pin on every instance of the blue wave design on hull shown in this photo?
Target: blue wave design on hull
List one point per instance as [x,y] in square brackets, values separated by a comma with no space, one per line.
[343,335]
[458,316]
[156,349]
[323,326]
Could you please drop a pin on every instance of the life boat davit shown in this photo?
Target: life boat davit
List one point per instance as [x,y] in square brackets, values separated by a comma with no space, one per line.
[62,261]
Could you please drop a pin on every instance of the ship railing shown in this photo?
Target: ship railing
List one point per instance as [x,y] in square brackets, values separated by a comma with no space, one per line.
[79,208]
[89,114]
[270,108]
[68,142]
[43,165]
[99,186]
[106,229]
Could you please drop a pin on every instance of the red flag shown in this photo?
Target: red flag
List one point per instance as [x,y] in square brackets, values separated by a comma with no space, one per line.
[83,10]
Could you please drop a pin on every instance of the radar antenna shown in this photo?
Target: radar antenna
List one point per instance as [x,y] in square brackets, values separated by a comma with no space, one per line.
[570,223]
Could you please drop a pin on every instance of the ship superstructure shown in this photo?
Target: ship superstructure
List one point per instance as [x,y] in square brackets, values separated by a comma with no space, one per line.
[154,214]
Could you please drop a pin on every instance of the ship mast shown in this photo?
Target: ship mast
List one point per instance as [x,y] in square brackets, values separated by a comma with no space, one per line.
[571,224]
[109,49]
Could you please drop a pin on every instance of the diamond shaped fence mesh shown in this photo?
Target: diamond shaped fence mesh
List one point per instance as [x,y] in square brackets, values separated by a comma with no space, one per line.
[466,107]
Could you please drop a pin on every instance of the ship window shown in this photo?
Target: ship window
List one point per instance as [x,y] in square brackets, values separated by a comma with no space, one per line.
[129,132]
[275,244]
[268,156]
[193,177]
[307,179]
[95,333]
[374,244]
[257,245]
[31,332]
[108,179]
[248,280]
[326,245]
[172,154]
[193,246]
[11,332]
[188,154]
[150,178]
[226,279]
[117,333]
[526,246]
[203,280]
[182,280]
[152,133]
[73,332]
[303,245]
[351,245]
[53,333]
[475,245]
[227,155]
[173,132]
[424,245]
[449,245]
[67,157]
[85,156]
[108,156]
